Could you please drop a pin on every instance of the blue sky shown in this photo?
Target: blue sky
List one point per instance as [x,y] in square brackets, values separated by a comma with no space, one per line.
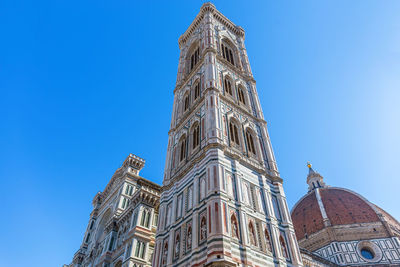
[85,83]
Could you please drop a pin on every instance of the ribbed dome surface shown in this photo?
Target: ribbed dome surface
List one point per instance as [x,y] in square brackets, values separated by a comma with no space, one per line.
[340,205]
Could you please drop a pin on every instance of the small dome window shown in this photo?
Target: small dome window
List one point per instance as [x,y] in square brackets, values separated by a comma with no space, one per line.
[367,253]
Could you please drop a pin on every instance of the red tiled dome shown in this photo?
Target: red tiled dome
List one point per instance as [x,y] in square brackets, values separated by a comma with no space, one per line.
[340,205]
[306,216]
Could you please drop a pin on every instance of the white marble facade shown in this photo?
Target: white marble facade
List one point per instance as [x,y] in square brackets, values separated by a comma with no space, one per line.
[122,225]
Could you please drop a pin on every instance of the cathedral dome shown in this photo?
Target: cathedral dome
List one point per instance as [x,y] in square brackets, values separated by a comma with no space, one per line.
[341,207]
[327,214]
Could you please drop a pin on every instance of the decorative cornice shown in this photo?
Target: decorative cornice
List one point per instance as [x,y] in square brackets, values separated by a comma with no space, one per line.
[209,7]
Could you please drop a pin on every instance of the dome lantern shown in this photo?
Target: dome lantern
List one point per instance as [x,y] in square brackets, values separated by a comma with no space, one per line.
[314,179]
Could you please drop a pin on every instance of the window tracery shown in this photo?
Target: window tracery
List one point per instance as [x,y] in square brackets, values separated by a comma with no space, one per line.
[227,53]
[250,142]
[228,86]
[234,133]
[182,148]
[241,95]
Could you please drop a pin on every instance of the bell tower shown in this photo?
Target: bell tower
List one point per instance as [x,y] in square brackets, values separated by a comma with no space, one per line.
[222,202]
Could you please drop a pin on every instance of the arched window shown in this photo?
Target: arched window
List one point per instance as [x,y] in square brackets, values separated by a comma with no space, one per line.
[195,136]
[91,225]
[241,95]
[252,234]
[234,133]
[234,227]
[196,90]
[87,238]
[283,247]
[227,53]
[194,58]
[186,103]
[203,228]
[143,219]
[228,86]
[147,222]
[250,143]
[189,238]
[183,148]
[267,240]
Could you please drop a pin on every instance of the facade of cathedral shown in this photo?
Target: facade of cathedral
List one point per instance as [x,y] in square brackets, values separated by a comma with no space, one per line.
[222,201]
[122,226]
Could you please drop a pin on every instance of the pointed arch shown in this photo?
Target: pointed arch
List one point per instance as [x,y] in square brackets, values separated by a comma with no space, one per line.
[268,245]
[282,242]
[229,51]
[234,132]
[192,56]
[250,141]
[177,245]
[203,228]
[182,148]
[252,234]
[186,102]
[234,226]
[196,90]
[242,96]
[228,85]
[189,238]
[165,254]
[195,135]
[101,233]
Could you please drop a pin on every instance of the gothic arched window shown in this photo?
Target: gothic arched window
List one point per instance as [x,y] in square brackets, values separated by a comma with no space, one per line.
[241,95]
[234,227]
[186,102]
[227,53]
[234,133]
[267,240]
[194,59]
[283,247]
[252,234]
[250,143]
[195,136]
[196,90]
[228,86]
[144,216]
[182,148]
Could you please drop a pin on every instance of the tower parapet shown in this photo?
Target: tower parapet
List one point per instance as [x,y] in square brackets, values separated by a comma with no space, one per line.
[133,164]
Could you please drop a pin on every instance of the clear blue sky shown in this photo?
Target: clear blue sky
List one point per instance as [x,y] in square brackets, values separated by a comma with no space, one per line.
[85,83]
